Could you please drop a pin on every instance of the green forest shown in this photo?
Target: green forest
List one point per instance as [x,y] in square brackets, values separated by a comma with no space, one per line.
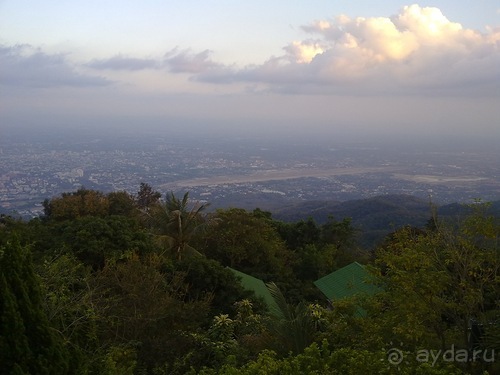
[149,283]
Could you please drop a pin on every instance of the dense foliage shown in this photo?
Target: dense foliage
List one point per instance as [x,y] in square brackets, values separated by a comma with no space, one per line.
[136,284]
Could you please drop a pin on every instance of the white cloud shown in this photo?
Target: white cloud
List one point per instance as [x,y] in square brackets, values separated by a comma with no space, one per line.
[416,51]
[304,52]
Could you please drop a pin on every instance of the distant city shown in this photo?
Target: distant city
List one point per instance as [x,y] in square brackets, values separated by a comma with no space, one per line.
[236,171]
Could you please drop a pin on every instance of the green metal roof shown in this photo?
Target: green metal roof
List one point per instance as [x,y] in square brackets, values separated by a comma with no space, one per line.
[348,281]
[257,286]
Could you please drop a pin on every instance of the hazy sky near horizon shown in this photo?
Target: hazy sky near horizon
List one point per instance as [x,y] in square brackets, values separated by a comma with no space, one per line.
[332,67]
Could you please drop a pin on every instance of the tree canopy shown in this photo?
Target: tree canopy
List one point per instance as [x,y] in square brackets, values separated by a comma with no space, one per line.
[139,284]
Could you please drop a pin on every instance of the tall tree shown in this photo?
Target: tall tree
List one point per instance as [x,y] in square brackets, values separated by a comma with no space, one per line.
[436,282]
[81,203]
[69,306]
[144,309]
[147,197]
[177,221]
[248,243]
[293,326]
[122,203]
[416,289]
[28,345]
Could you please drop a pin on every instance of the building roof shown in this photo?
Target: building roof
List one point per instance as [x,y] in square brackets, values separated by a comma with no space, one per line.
[348,281]
[257,286]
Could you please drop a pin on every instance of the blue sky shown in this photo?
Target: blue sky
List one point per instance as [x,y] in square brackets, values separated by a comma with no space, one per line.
[333,67]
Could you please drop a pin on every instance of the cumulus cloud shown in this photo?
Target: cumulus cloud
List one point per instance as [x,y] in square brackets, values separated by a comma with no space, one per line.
[26,66]
[120,62]
[304,52]
[416,51]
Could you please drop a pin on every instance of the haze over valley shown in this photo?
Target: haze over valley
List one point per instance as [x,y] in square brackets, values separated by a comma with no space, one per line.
[248,172]
[240,106]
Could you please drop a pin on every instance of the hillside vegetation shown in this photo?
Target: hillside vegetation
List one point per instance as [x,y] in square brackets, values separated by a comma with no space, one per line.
[374,218]
[147,284]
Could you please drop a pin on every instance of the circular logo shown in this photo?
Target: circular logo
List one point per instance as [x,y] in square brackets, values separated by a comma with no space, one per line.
[395,356]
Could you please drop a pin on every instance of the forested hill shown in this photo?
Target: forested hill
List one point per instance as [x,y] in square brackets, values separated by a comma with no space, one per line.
[372,218]
[154,284]
[375,217]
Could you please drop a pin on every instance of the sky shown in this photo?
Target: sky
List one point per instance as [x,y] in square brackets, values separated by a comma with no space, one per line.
[338,68]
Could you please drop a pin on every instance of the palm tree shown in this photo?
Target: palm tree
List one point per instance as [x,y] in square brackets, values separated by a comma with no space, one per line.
[176,222]
[293,326]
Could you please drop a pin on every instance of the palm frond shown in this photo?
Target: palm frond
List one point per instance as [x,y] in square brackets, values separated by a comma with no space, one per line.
[281,308]
[185,199]
[491,338]
[292,325]
[191,251]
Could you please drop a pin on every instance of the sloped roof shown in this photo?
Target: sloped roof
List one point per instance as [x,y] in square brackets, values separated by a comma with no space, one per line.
[257,286]
[348,281]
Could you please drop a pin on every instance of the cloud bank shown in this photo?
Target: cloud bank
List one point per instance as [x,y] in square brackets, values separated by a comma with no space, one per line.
[185,61]
[416,51]
[26,66]
[120,62]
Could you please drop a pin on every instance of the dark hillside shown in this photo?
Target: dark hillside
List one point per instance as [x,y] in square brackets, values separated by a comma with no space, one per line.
[375,217]
[461,210]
